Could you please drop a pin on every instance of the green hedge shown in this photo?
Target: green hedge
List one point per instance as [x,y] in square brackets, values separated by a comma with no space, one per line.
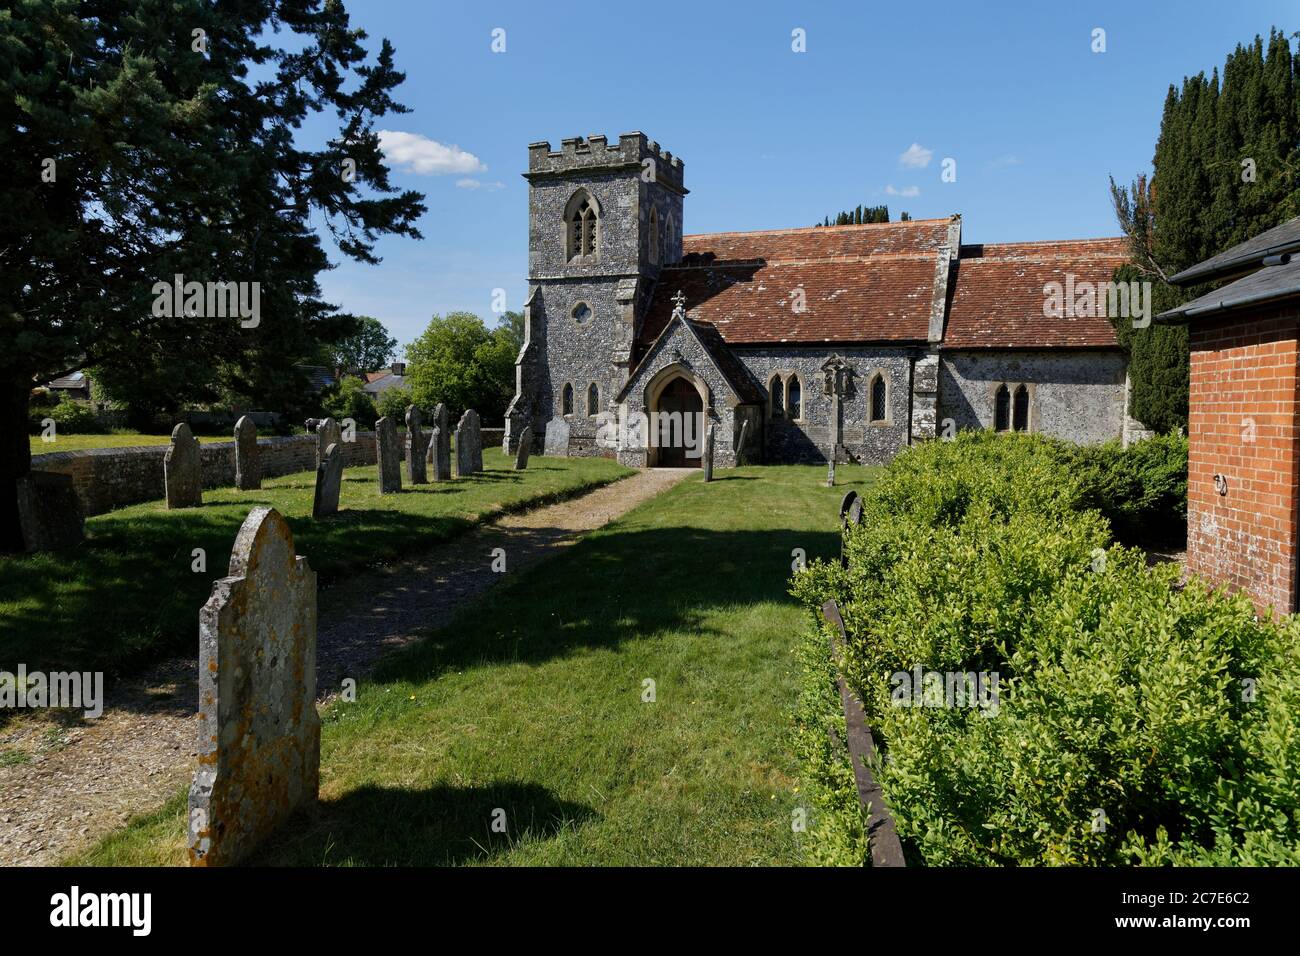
[1118,694]
[71,417]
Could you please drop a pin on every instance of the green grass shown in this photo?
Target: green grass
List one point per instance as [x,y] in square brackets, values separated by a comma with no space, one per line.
[118,439]
[531,701]
[129,593]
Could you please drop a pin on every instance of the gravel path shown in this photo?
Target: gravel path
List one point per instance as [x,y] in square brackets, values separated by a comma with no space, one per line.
[86,778]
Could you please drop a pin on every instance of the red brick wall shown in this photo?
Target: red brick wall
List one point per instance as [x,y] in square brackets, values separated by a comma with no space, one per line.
[1243,425]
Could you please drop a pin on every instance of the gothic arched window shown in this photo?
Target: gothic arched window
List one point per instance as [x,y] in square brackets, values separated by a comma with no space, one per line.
[581,225]
[566,400]
[593,399]
[654,236]
[794,397]
[1002,409]
[1020,410]
[879,398]
[777,400]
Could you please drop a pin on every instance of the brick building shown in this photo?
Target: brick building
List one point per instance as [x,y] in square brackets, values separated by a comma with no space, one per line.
[854,341]
[1243,469]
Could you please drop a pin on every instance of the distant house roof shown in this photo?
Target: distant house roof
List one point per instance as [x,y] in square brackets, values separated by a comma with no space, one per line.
[1244,256]
[319,378]
[999,294]
[383,383]
[74,381]
[1264,285]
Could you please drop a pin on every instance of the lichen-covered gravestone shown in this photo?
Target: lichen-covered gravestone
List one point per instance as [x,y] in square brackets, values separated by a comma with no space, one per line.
[259,734]
[556,441]
[525,446]
[329,480]
[327,433]
[182,474]
[388,452]
[415,464]
[469,445]
[709,434]
[440,445]
[248,470]
[49,512]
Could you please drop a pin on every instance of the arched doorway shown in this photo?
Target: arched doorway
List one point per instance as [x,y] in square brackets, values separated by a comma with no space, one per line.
[679,424]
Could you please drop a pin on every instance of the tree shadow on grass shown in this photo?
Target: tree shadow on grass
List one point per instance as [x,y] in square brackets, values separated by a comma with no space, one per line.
[610,588]
[437,826]
[130,591]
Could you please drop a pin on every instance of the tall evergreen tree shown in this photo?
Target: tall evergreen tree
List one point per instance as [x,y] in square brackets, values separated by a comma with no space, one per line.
[1226,167]
[154,138]
[858,216]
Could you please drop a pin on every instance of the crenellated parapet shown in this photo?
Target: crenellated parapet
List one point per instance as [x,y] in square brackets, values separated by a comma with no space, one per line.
[594,154]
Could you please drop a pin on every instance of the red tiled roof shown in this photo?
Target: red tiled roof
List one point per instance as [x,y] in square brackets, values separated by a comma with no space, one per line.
[870,283]
[998,300]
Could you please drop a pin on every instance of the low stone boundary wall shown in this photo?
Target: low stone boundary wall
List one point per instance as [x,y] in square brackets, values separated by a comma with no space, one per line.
[108,478]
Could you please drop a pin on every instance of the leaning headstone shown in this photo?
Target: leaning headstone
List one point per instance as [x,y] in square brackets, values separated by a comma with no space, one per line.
[469,445]
[182,476]
[741,457]
[709,434]
[248,470]
[259,735]
[525,446]
[49,512]
[415,465]
[327,433]
[440,445]
[388,452]
[329,480]
[830,474]
[556,441]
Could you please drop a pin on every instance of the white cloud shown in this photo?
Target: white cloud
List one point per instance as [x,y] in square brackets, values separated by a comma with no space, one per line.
[479,184]
[916,156]
[414,153]
[906,192]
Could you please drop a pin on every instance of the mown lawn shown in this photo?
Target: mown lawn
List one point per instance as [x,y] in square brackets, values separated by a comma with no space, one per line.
[120,439]
[130,594]
[531,702]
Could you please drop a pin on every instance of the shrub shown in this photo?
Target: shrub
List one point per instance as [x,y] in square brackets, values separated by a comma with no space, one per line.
[71,417]
[1117,693]
[349,399]
[1142,489]
[392,404]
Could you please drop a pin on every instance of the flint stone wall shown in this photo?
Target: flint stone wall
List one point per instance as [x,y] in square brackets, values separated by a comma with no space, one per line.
[108,478]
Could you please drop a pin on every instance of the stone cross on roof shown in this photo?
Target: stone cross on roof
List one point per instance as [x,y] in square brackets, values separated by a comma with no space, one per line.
[679,305]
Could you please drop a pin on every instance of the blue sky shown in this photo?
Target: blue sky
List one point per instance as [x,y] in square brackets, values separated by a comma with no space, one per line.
[772,138]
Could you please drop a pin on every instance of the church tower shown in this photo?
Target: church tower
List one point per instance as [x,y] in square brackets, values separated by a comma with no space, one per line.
[602,221]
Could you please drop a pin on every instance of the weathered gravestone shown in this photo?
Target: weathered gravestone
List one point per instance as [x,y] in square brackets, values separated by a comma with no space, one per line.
[327,433]
[469,445]
[329,480]
[556,441]
[440,445]
[415,464]
[709,436]
[525,447]
[388,451]
[248,470]
[182,477]
[741,457]
[259,735]
[49,512]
